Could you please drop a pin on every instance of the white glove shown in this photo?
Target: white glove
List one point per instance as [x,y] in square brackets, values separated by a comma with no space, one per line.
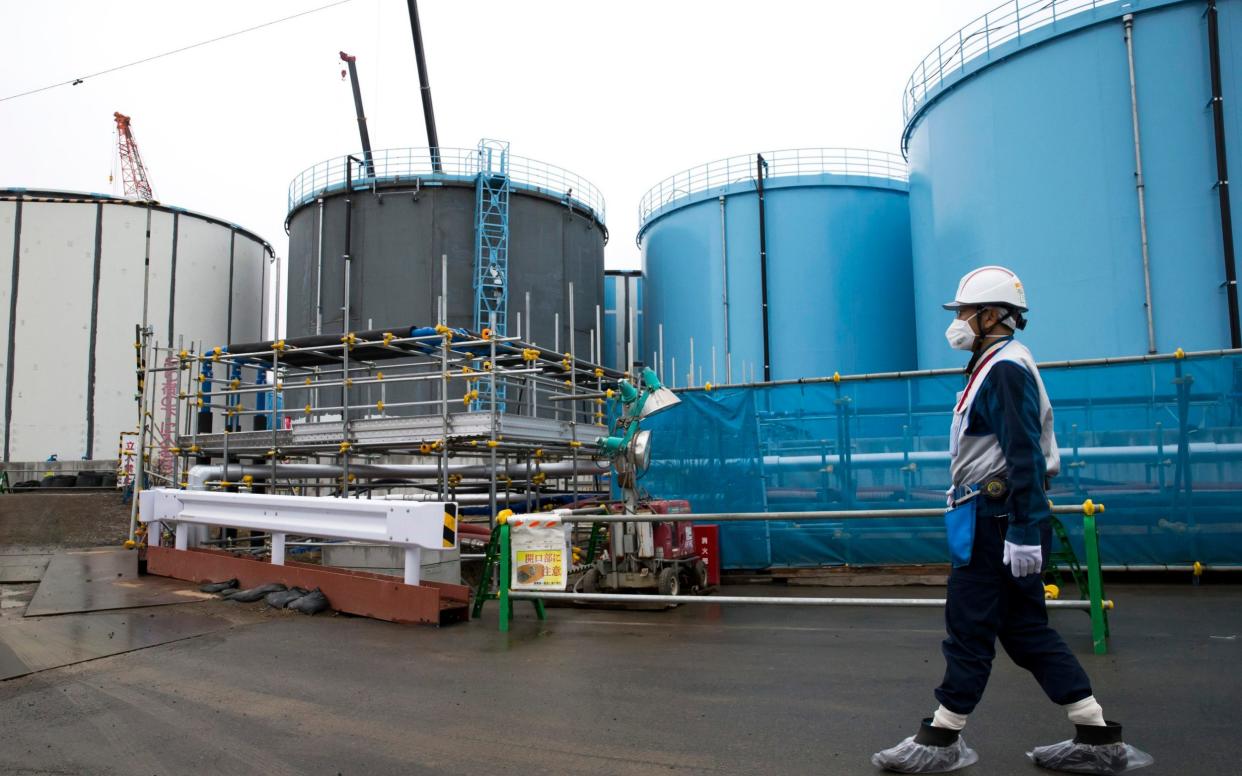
[1023,559]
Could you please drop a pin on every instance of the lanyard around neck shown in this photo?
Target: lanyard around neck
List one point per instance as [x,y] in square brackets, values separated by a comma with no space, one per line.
[978,371]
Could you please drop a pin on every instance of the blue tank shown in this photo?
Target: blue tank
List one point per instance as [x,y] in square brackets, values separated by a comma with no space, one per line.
[1021,143]
[838,284]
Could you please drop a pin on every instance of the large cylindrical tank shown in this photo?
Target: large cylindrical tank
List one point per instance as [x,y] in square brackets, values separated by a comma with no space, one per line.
[838,292]
[73,292]
[406,217]
[1021,143]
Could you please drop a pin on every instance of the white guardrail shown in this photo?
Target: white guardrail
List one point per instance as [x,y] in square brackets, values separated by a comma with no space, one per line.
[411,525]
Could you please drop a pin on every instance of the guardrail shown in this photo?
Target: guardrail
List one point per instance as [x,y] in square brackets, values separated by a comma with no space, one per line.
[783,163]
[464,164]
[1006,22]
[413,526]
[1095,603]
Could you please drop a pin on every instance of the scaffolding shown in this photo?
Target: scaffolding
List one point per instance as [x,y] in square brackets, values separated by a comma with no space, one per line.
[413,412]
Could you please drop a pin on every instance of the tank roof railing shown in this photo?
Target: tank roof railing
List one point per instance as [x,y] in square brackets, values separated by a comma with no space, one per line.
[1006,22]
[785,163]
[459,164]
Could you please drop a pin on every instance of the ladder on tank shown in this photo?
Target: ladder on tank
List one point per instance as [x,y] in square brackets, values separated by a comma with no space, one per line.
[491,252]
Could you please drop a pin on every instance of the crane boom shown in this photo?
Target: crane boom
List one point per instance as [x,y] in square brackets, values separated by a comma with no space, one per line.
[424,87]
[133,171]
[362,119]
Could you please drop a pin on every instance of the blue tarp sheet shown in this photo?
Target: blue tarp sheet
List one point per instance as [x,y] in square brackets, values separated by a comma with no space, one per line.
[1159,442]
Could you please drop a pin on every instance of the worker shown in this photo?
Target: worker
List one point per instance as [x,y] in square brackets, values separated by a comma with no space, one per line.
[1002,449]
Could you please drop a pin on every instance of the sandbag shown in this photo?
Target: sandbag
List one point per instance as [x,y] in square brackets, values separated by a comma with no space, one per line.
[282,598]
[255,593]
[311,603]
[218,587]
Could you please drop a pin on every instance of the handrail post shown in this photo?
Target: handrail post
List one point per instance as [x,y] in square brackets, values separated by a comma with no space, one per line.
[1095,586]
[502,583]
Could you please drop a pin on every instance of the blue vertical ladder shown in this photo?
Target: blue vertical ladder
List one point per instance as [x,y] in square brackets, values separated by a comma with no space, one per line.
[491,252]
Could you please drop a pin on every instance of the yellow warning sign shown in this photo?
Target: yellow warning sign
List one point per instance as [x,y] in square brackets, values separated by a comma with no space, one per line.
[541,556]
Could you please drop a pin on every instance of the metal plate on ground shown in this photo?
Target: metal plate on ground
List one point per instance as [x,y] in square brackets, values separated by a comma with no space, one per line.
[23,568]
[95,580]
[27,646]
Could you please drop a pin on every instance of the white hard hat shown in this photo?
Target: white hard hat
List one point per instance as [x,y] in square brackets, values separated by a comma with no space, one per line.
[989,286]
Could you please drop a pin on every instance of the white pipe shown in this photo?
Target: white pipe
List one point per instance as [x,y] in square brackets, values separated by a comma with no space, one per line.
[661,351]
[413,564]
[467,499]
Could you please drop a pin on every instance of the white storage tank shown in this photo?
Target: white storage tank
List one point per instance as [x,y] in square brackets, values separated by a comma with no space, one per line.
[72,292]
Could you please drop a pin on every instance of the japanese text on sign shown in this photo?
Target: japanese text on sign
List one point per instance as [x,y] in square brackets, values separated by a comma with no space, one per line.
[540,554]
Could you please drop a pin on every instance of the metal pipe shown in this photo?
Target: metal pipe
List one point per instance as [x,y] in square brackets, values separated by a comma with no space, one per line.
[472,499]
[349,162]
[200,475]
[629,343]
[691,380]
[276,311]
[444,382]
[1128,21]
[660,330]
[724,273]
[275,424]
[1198,451]
[424,87]
[493,427]
[1222,175]
[573,388]
[319,276]
[1166,567]
[839,514]
[760,166]
[139,464]
[929,603]
[623,309]
[1082,362]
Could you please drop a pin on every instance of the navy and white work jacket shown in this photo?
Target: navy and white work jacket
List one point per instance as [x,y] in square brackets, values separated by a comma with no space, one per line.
[1002,427]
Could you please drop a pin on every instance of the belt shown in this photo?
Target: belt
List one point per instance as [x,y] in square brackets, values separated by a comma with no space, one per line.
[963,493]
[994,489]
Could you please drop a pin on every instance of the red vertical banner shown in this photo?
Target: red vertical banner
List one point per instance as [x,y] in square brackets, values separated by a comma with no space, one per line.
[707,545]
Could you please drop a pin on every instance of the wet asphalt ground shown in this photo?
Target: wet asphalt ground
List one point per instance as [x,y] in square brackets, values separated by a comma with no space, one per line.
[701,689]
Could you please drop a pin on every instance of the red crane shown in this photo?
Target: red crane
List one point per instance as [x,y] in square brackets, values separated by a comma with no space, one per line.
[133,172]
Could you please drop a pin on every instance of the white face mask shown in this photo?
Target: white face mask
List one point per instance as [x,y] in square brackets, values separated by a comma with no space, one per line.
[960,335]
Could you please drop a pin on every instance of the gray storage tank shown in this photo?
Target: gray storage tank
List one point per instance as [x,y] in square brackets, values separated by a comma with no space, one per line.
[405,216]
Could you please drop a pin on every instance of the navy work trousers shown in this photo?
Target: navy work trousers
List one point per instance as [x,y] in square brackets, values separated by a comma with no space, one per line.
[986,602]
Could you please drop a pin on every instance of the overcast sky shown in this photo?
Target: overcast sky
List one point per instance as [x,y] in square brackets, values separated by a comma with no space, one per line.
[622,93]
